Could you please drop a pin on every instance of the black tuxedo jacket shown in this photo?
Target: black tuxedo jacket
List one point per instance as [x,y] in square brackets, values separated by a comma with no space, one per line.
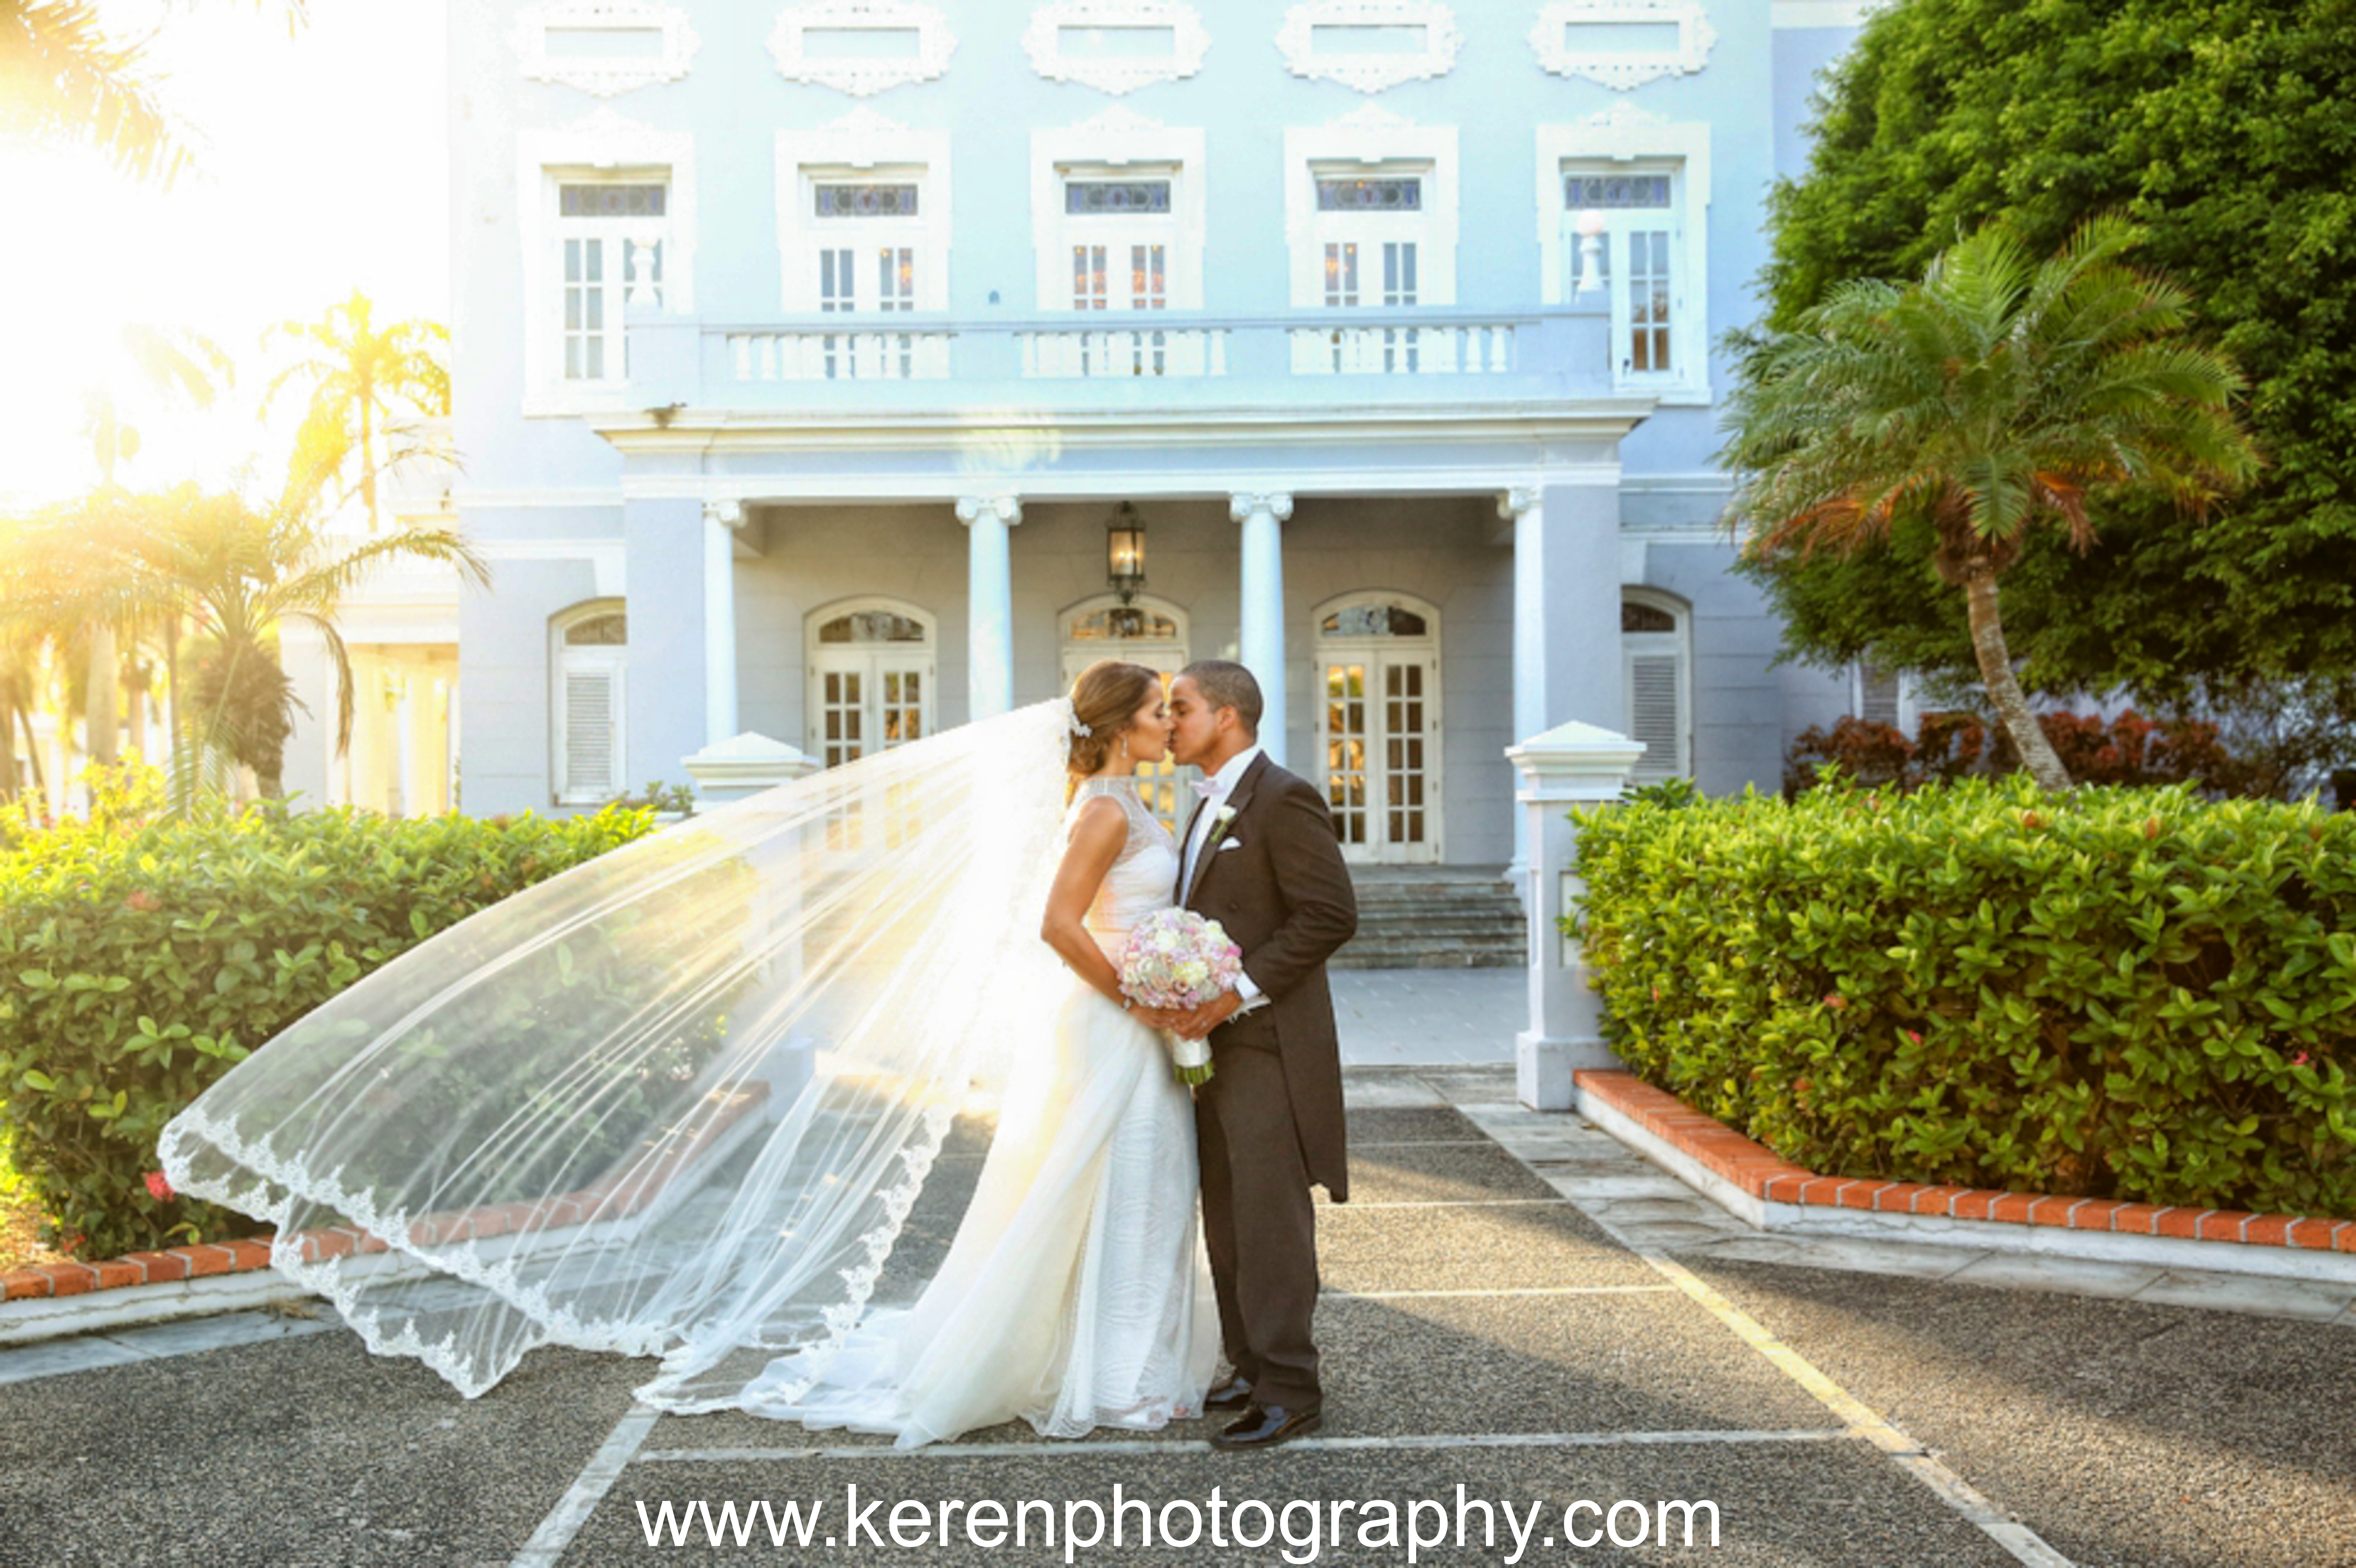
[1274,878]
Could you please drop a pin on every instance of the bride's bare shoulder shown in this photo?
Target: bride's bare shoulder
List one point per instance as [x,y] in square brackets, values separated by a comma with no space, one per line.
[1099,816]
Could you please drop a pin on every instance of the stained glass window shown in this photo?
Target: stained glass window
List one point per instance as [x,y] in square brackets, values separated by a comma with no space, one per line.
[604,199]
[1115,198]
[1390,194]
[866,200]
[1581,192]
[872,627]
[1112,624]
[1374,621]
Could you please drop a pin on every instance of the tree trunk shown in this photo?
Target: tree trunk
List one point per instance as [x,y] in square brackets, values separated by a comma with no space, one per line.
[368,459]
[7,740]
[2003,688]
[98,708]
[33,754]
[138,682]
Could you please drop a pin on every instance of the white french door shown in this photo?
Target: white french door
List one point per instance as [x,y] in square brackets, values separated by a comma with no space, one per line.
[1151,634]
[1379,730]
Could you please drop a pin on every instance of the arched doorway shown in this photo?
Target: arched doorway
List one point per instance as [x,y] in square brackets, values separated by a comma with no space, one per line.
[1153,633]
[871,678]
[1379,725]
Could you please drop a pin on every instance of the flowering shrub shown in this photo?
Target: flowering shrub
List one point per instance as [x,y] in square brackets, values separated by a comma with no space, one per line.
[2121,993]
[2129,750]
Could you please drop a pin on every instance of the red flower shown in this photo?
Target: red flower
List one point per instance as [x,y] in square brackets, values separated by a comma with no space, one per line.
[1835,1001]
[2301,1059]
[1915,1036]
[144,902]
[157,1187]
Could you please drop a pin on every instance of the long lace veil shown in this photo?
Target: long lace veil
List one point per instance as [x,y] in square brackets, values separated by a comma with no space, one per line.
[680,1100]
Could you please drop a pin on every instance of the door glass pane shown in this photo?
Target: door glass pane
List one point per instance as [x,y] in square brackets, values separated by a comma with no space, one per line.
[1345,750]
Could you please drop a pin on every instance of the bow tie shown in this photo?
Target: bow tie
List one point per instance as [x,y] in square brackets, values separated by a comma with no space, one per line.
[1210,789]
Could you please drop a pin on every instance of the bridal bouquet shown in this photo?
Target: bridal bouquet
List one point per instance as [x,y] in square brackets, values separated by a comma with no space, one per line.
[1176,958]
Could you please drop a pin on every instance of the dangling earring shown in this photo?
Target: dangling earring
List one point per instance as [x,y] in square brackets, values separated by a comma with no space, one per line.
[1124,751]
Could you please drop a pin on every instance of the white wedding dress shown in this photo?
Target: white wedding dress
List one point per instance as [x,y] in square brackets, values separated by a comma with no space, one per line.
[1077,1293]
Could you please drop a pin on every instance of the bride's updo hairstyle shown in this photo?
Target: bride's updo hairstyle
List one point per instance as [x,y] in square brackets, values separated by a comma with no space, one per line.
[1105,698]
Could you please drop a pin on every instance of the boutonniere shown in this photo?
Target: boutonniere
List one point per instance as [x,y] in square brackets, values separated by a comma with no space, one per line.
[1220,819]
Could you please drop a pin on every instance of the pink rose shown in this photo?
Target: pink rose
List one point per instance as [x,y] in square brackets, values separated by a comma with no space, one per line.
[157,1187]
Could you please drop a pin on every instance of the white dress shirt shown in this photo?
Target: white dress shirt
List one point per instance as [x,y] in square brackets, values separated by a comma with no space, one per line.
[1223,785]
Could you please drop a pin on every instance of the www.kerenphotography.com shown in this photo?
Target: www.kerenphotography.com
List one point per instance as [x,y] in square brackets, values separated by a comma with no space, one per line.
[1178,782]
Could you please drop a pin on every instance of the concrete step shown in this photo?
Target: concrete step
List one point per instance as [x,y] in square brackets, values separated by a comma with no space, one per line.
[1416,917]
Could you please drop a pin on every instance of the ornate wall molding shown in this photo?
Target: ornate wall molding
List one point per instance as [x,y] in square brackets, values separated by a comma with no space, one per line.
[605,137]
[861,75]
[1044,41]
[1622,70]
[1370,71]
[605,75]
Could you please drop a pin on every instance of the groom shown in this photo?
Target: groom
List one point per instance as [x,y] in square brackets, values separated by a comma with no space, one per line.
[1261,857]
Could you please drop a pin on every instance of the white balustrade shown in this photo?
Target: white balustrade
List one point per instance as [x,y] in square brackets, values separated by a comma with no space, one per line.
[1107,353]
[1479,348]
[839,356]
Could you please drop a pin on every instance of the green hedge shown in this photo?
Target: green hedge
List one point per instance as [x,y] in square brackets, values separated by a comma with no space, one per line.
[140,959]
[2121,993]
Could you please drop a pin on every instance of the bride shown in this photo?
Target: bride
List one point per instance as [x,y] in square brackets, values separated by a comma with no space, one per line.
[723,1095]
[1077,1293]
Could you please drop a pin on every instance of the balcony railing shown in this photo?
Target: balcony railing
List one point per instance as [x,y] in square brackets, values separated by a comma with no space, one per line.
[1168,357]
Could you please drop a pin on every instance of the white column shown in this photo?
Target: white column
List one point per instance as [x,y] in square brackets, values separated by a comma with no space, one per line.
[990,600]
[720,521]
[1522,507]
[1573,765]
[1261,642]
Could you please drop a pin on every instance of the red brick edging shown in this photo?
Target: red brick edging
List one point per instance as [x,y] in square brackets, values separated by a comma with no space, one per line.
[612,1196]
[1767,1176]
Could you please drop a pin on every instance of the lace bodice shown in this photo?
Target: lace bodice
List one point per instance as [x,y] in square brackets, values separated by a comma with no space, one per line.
[1142,875]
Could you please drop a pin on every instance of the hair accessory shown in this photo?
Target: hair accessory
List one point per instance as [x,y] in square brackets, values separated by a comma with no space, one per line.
[1072,718]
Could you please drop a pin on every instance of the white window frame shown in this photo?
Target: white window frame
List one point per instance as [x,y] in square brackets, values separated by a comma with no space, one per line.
[1627,140]
[1371,143]
[1905,701]
[1117,144]
[564,659]
[606,147]
[861,147]
[1678,643]
[868,659]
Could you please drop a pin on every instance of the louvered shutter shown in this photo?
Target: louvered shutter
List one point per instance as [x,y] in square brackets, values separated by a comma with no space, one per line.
[590,707]
[1656,713]
[1877,696]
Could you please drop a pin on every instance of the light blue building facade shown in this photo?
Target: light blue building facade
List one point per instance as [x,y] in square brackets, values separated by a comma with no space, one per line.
[808,356]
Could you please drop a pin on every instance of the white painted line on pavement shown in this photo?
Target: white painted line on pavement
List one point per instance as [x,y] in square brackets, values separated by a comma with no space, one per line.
[1528,1290]
[1356,1144]
[1324,1207]
[2024,1543]
[588,1489]
[1201,1445]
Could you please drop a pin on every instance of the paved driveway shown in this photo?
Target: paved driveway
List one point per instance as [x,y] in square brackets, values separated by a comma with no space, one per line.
[1485,1331]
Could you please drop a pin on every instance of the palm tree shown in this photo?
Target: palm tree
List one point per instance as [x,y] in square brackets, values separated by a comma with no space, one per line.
[63,80]
[2001,394]
[191,368]
[238,570]
[363,380]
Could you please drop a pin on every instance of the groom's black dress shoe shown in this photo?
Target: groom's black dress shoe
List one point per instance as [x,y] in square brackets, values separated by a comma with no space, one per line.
[1232,1394]
[1266,1426]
